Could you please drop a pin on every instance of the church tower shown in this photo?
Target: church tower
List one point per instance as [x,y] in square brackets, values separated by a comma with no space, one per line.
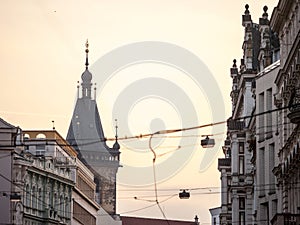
[86,135]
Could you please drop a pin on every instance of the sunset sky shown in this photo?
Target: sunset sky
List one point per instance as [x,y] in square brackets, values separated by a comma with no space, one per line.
[42,58]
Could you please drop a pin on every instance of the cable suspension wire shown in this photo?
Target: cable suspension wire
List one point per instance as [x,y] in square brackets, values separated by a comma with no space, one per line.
[154,177]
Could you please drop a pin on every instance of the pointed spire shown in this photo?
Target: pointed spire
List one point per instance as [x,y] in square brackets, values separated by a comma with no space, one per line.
[87,53]
[86,76]
[116,129]
[116,144]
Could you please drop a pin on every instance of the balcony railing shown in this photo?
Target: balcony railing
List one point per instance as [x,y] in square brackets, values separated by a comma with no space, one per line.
[224,162]
[235,124]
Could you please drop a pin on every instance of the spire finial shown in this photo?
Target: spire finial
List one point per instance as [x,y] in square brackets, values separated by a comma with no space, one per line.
[116,145]
[116,126]
[234,63]
[265,14]
[247,12]
[87,53]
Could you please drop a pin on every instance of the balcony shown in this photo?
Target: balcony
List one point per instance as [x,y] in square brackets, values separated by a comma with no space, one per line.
[224,163]
[286,219]
[294,107]
[235,125]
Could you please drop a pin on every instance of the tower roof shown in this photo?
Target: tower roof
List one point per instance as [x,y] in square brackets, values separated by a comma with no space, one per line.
[86,132]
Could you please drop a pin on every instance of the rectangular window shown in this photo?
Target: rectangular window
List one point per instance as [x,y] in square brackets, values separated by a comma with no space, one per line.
[242,218]
[269,114]
[241,165]
[241,203]
[261,118]
[241,147]
[261,174]
[40,149]
[229,197]
[271,167]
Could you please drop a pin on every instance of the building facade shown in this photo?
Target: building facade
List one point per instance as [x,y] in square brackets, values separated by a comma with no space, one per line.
[8,135]
[43,181]
[249,194]
[44,173]
[285,21]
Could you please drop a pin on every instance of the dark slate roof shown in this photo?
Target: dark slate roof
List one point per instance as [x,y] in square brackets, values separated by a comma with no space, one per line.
[4,124]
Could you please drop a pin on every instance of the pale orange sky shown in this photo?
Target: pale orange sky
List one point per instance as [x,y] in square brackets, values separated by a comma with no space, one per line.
[42,58]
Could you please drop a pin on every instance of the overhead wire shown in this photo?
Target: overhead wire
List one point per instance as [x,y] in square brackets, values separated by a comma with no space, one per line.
[174,131]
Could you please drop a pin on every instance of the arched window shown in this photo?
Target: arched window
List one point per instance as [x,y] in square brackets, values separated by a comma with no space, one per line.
[41,136]
[26,136]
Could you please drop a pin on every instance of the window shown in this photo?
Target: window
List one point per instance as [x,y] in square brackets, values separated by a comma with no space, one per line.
[40,149]
[61,206]
[39,200]
[55,204]
[261,118]
[271,167]
[28,195]
[241,203]
[261,161]
[241,165]
[34,199]
[269,115]
[229,197]
[242,218]
[241,147]
[67,205]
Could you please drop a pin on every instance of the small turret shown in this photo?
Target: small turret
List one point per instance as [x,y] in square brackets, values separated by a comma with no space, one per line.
[264,56]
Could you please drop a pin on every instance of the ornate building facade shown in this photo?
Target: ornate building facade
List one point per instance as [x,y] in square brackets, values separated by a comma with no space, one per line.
[249,194]
[286,22]
[45,174]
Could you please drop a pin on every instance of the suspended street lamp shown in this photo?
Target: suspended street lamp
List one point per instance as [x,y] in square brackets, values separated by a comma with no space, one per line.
[207,142]
[184,195]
